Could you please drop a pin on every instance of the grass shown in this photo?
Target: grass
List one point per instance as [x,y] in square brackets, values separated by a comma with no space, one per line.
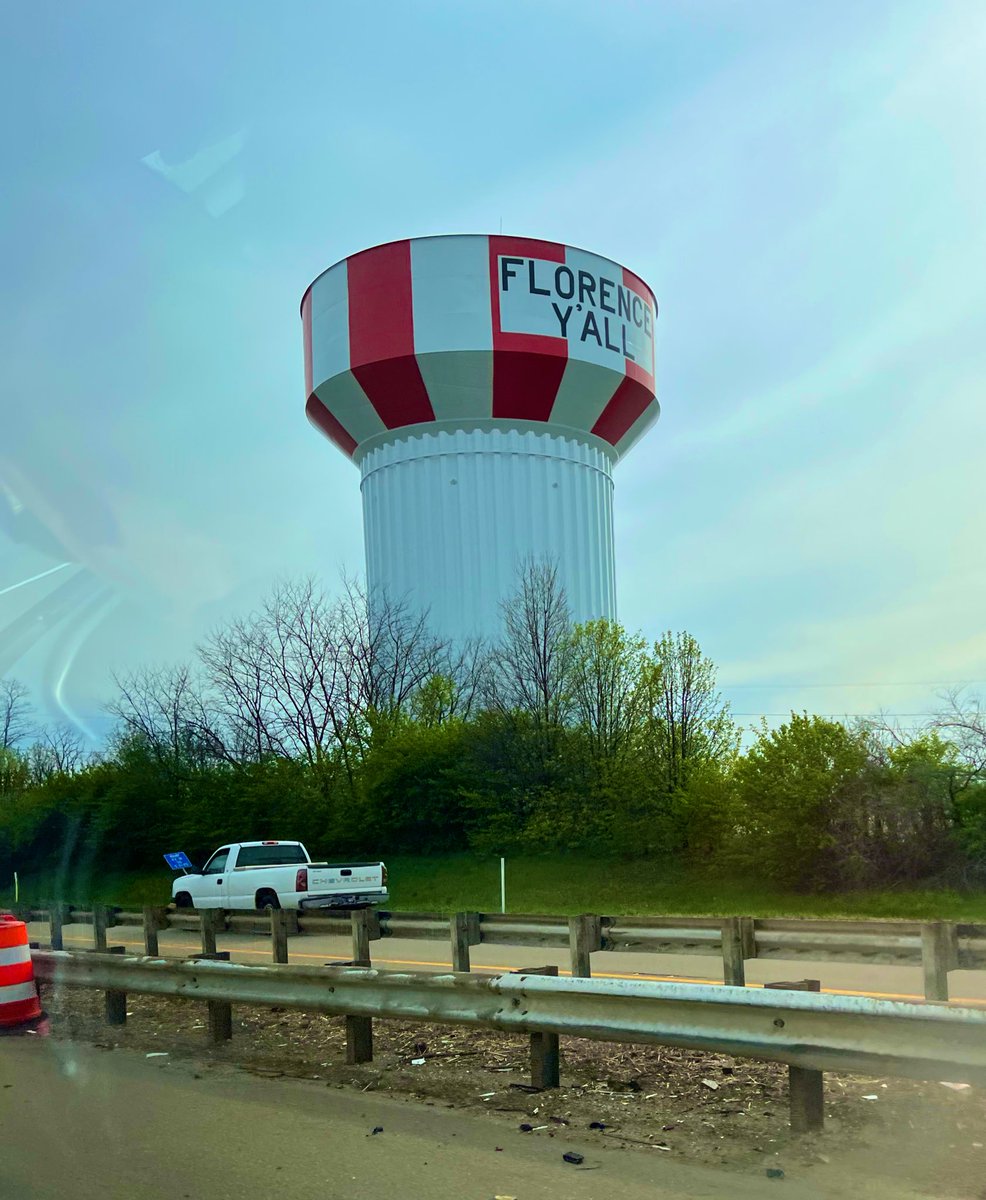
[570,884]
[561,884]
[132,888]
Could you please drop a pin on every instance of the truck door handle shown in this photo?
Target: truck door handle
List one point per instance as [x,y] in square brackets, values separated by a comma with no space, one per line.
[345,871]
[219,883]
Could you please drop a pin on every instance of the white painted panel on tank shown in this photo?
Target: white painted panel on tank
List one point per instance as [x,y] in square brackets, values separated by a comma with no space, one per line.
[583,393]
[640,331]
[349,404]
[460,386]
[529,302]
[601,326]
[583,300]
[450,517]
[330,323]
[450,290]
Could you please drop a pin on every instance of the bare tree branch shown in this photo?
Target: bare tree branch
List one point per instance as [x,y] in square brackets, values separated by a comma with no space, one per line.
[166,709]
[530,672]
[16,714]
[59,751]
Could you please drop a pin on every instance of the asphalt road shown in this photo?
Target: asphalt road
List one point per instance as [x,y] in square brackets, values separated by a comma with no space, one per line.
[890,982]
[79,1123]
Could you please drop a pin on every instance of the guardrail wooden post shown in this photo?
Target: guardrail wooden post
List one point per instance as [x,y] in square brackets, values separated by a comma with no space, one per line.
[56,923]
[219,1012]
[154,920]
[359,1039]
[464,928]
[939,955]
[545,1047]
[359,1030]
[220,1018]
[737,946]
[584,936]
[210,920]
[366,929]
[806,1087]
[116,1002]
[100,925]
[279,935]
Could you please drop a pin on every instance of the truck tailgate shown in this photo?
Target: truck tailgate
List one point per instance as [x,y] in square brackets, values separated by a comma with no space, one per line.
[344,879]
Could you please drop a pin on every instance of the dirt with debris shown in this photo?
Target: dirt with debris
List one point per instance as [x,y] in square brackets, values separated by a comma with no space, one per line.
[662,1100]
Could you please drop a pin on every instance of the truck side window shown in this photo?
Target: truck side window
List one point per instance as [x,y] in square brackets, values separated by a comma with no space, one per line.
[217,864]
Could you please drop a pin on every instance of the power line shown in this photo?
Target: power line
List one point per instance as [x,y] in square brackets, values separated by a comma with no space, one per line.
[916,683]
[789,712]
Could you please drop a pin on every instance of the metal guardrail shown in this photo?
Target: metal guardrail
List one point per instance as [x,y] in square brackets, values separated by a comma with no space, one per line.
[809,1031]
[938,946]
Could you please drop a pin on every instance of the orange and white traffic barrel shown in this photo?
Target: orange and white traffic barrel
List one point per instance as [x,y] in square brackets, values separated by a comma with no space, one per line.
[20,1008]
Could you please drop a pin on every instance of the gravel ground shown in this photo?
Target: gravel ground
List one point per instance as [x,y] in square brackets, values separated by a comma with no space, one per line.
[701,1107]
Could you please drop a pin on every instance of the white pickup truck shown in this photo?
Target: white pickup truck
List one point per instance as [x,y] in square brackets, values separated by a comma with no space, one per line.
[268,875]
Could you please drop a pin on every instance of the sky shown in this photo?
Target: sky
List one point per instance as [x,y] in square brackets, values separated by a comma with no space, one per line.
[802,186]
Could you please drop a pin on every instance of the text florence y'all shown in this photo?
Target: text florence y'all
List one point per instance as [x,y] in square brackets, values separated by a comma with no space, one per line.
[618,299]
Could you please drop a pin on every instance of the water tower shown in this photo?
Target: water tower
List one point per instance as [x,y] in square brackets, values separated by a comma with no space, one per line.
[485,387]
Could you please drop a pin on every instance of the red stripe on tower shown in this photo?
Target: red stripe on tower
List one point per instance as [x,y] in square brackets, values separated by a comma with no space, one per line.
[324,421]
[636,284]
[306,325]
[527,367]
[627,403]
[381,335]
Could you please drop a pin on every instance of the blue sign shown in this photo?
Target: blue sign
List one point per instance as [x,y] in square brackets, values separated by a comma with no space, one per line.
[179,861]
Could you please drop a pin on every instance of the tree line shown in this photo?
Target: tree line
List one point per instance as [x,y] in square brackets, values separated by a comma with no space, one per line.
[347,723]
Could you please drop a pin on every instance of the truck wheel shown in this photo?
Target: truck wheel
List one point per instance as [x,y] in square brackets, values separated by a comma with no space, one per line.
[267,901]
[183,900]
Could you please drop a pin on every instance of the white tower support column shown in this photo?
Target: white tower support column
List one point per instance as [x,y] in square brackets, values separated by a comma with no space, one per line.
[451,516]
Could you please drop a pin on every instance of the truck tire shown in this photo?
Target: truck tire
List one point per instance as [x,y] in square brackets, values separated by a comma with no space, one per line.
[267,900]
[183,900]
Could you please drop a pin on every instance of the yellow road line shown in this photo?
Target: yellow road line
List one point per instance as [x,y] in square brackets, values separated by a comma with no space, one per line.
[500,968]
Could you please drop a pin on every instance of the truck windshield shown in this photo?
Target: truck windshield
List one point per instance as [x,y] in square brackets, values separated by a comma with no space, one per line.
[271,856]
[217,864]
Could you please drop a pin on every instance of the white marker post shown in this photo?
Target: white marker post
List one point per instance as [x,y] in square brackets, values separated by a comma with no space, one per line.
[17,889]
[503,885]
